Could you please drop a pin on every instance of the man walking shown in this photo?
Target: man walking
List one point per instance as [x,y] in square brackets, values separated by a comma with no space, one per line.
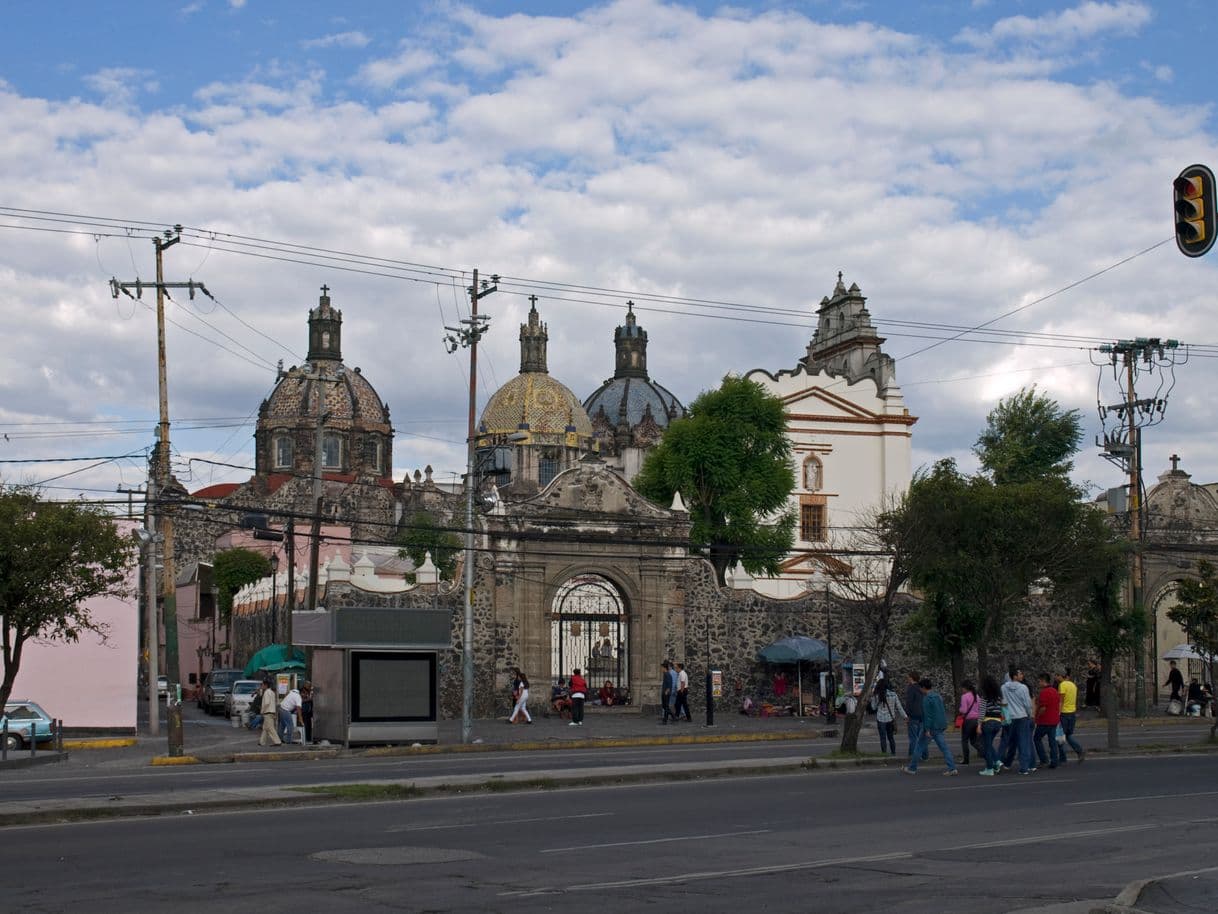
[1018,702]
[934,723]
[1047,712]
[682,701]
[579,691]
[913,709]
[666,690]
[1069,715]
[269,717]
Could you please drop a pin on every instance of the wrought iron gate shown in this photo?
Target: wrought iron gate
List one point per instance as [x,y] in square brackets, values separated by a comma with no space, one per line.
[589,630]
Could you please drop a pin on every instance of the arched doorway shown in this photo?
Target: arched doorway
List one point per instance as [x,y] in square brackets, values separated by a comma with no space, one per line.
[589,629]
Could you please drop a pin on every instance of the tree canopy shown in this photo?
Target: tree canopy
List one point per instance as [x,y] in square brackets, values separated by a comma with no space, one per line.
[731,461]
[1196,611]
[1028,436]
[54,556]
[232,569]
[422,535]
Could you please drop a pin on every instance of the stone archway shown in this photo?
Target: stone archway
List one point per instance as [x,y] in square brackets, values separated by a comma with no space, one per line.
[590,629]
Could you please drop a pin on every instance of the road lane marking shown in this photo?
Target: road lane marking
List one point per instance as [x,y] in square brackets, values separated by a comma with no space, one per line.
[1149,796]
[592,847]
[992,786]
[1054,836]
[486,822]
[711,874]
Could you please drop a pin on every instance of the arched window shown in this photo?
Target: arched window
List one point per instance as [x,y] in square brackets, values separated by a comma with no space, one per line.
[814,475]
[378,455]
[547,467]
[331,451]
[325,339]
[283,452]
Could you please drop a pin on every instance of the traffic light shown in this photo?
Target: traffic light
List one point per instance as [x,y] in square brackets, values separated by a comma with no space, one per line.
[1196,225]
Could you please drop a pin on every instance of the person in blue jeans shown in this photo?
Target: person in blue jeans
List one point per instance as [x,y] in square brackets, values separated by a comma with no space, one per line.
[1018,702]
[991,724]
[913,710]
[934,723]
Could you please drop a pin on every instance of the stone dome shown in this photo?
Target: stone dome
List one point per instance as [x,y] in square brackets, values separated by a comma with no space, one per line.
[537,402]
[629,400]
[356,436]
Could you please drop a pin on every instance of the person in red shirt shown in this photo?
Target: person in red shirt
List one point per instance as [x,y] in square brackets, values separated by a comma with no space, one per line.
[579,691]
[1047,714]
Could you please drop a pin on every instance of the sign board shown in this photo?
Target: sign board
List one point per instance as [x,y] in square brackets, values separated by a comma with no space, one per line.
[283,682]
[716,683]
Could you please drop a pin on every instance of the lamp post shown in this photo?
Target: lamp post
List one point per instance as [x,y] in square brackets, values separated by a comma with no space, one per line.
[274,598]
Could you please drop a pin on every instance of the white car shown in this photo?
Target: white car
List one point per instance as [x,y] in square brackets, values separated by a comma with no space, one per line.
[240,696]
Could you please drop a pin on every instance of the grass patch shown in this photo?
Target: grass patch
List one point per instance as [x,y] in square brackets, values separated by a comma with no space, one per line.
[500,786]
[369,792]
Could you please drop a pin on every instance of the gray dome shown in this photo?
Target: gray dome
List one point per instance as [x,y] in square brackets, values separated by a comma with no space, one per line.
[628,400]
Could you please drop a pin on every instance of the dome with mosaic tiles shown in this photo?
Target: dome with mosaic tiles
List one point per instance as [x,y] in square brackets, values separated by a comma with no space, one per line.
[357,438]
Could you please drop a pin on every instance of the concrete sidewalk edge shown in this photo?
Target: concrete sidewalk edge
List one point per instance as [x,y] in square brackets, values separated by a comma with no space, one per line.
[1128,899]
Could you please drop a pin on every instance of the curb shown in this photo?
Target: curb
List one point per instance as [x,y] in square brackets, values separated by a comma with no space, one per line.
[1127,901]
[166,760]
[100,743]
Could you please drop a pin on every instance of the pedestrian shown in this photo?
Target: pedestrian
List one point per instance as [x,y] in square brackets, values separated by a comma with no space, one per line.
[579,691]
[887,709]
[913,709]
[991,724]
[288,709]
[1018,702]
[682,701]
[1069,713]
[1091,694]
[269,716]
[1047,712]
[306,711]
[521,691]
[666,690]
[255,708]
[1175,679]
[934,725]
[970,716]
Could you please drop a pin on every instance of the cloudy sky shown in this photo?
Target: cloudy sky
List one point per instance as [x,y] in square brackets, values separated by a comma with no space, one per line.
[1004,163]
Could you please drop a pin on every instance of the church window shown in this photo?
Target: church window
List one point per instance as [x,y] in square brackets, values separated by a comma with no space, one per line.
[331,452]
[283,452]
[325,339]
[547,467]
[814,475]
[378,455]
[813,526]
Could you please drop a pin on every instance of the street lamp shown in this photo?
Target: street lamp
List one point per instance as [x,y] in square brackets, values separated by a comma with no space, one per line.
[821,582]
[274,598]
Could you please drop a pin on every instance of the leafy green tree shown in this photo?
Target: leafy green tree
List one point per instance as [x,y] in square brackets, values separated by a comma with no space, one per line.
[1088,585]
[422,535]
[232,569]
[1196,611]
[731,461]
[1028,437]
[54,556]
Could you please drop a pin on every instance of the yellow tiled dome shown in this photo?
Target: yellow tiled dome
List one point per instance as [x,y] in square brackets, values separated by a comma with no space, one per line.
[535,398]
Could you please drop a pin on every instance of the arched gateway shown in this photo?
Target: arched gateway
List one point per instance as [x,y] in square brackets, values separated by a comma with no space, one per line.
[585,573]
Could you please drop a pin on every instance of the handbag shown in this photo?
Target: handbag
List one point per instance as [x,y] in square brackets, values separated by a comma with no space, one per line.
[1060,735]
[959,721]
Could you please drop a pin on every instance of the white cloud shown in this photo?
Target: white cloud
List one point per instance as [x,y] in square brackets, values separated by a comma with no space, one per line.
[1066,28]
[388,72]
[236,4]
[118,86]
[338,40]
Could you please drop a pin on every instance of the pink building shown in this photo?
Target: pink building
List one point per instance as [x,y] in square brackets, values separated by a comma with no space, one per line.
[92,683]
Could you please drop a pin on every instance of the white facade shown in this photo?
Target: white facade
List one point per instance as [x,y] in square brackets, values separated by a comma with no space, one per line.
[850,433]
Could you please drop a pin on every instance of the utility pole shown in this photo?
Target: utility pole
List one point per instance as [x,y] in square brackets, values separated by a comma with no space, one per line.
[169,238]
[468,335]
[1123,446]
[130,502]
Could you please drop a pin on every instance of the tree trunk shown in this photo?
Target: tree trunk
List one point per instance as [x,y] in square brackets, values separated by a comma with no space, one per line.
[983,658]
[957,661]
[854,721]
[1108,701]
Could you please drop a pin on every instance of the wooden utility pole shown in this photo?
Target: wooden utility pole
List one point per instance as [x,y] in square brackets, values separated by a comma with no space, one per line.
[163,476]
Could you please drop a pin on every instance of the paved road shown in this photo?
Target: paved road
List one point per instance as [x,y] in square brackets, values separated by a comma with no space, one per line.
[859,841]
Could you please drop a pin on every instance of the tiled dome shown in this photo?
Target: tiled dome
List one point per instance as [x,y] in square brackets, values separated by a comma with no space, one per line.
[535,399]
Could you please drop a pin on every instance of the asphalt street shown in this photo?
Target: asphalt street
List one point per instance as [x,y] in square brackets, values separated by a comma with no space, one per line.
[854,841]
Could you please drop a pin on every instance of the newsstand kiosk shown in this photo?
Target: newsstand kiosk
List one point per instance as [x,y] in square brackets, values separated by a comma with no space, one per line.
[374,672]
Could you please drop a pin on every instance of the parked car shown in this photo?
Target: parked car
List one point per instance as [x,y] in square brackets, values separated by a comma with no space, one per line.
[240,696]
[216,688]
[162,687]
[24,717]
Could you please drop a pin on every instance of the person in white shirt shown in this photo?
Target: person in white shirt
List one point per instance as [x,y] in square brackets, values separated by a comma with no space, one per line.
[682,701]
[288,709]
[268,717]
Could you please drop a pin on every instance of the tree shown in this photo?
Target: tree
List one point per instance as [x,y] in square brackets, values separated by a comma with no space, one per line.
[1029,437]
[421,536]
[1088,584]
[232,569]
[54,556]
[731,461]
[879,549]
[1196,611]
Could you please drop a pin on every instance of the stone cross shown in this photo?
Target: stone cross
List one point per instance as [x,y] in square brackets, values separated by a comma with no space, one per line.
[325,290]
[1175,462]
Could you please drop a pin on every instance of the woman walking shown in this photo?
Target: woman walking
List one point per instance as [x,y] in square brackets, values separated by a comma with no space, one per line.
[887,709]
[521,691]
[970,714]
[991,724]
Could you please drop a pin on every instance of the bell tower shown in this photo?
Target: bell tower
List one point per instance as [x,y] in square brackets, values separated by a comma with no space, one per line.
[325,330]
